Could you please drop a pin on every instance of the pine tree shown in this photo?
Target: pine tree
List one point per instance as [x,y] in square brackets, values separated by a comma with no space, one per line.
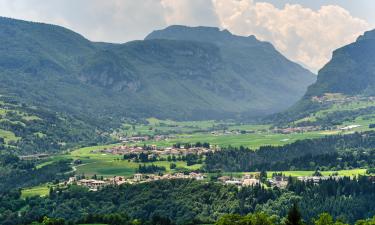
[294,216]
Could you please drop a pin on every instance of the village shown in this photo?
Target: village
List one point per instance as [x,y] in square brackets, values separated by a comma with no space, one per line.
[95,184]
[154,151]
[247,180]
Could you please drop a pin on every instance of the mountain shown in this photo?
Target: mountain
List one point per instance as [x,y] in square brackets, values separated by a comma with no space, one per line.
[347,79]
[351,70]
[28,129]
[180,73]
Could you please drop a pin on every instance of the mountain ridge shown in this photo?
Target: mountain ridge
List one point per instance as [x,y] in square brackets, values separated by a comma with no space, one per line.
[181,79]
[350,73]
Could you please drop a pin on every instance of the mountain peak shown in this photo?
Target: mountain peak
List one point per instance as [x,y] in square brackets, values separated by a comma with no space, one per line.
[203,34]
[367,35]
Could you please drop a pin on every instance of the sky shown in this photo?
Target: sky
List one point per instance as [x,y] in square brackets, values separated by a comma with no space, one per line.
[305,31]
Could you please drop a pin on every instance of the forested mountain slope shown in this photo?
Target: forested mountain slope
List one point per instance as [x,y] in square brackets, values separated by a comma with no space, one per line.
[53,67]
[348,77]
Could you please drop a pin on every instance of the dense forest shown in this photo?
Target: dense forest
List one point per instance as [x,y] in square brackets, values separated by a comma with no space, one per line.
[194,202]
[16,173]
[330,152]
[38,130]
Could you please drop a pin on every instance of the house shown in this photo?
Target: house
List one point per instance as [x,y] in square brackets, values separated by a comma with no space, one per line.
[196,176]
[92,184]
[223,178]
[138,177]
[233,182]
[250,182]
[279,181]
[118,180]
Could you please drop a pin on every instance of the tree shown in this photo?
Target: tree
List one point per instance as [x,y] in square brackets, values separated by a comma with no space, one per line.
[263,176]
[51,221]
[324,219]
[172,166]
[294,216]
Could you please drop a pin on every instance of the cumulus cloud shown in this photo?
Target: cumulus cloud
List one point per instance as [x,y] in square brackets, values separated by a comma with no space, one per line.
[190,12]
[302,34]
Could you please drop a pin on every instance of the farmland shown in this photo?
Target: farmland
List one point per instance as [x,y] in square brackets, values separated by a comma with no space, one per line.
[248,135]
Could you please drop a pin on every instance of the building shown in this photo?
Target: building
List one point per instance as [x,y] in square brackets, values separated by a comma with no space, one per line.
[91,184]
[138,177]
[250,182]
[279,181]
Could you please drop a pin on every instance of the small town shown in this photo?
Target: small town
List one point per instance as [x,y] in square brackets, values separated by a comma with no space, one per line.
[247,180]
[153,150]
[95,184]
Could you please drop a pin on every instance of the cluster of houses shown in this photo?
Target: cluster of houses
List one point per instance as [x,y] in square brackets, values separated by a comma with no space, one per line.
[246,180]
[339,98]
[137,139]
[290,130]
[278,181]
[317,179]
[34,157]
[95,185]
[154,151]
[134,139]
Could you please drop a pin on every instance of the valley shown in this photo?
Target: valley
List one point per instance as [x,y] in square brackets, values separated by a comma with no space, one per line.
[189,125]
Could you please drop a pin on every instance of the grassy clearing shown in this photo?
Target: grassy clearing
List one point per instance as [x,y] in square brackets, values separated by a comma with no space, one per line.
[42,190]
[8,136]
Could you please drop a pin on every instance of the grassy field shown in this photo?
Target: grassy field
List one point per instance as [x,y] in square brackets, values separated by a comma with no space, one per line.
[8,136]
[42,190]
[108,165]
[252,140]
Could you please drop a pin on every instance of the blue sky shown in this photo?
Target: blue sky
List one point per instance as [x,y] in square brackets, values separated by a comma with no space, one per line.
[305,31]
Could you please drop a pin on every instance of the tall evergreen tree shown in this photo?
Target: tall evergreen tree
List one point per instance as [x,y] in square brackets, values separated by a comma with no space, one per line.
[294,216]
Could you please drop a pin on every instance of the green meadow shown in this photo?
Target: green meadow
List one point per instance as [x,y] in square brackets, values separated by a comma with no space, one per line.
[41,190]
[251,140]
[108,165]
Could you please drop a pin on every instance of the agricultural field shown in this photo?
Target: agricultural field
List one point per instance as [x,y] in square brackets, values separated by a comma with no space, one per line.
[251,140]
[216,133]
[224,133]
[108,165]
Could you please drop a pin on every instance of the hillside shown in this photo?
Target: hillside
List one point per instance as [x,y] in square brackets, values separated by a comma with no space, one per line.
[28,130]
[344,88]
[351,70]
[55,68]
[271,82]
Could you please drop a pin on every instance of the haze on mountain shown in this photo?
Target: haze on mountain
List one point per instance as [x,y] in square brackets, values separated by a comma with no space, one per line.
[182,73]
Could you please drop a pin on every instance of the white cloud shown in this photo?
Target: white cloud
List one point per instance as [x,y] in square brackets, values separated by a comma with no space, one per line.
[302,34]
[190,12]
